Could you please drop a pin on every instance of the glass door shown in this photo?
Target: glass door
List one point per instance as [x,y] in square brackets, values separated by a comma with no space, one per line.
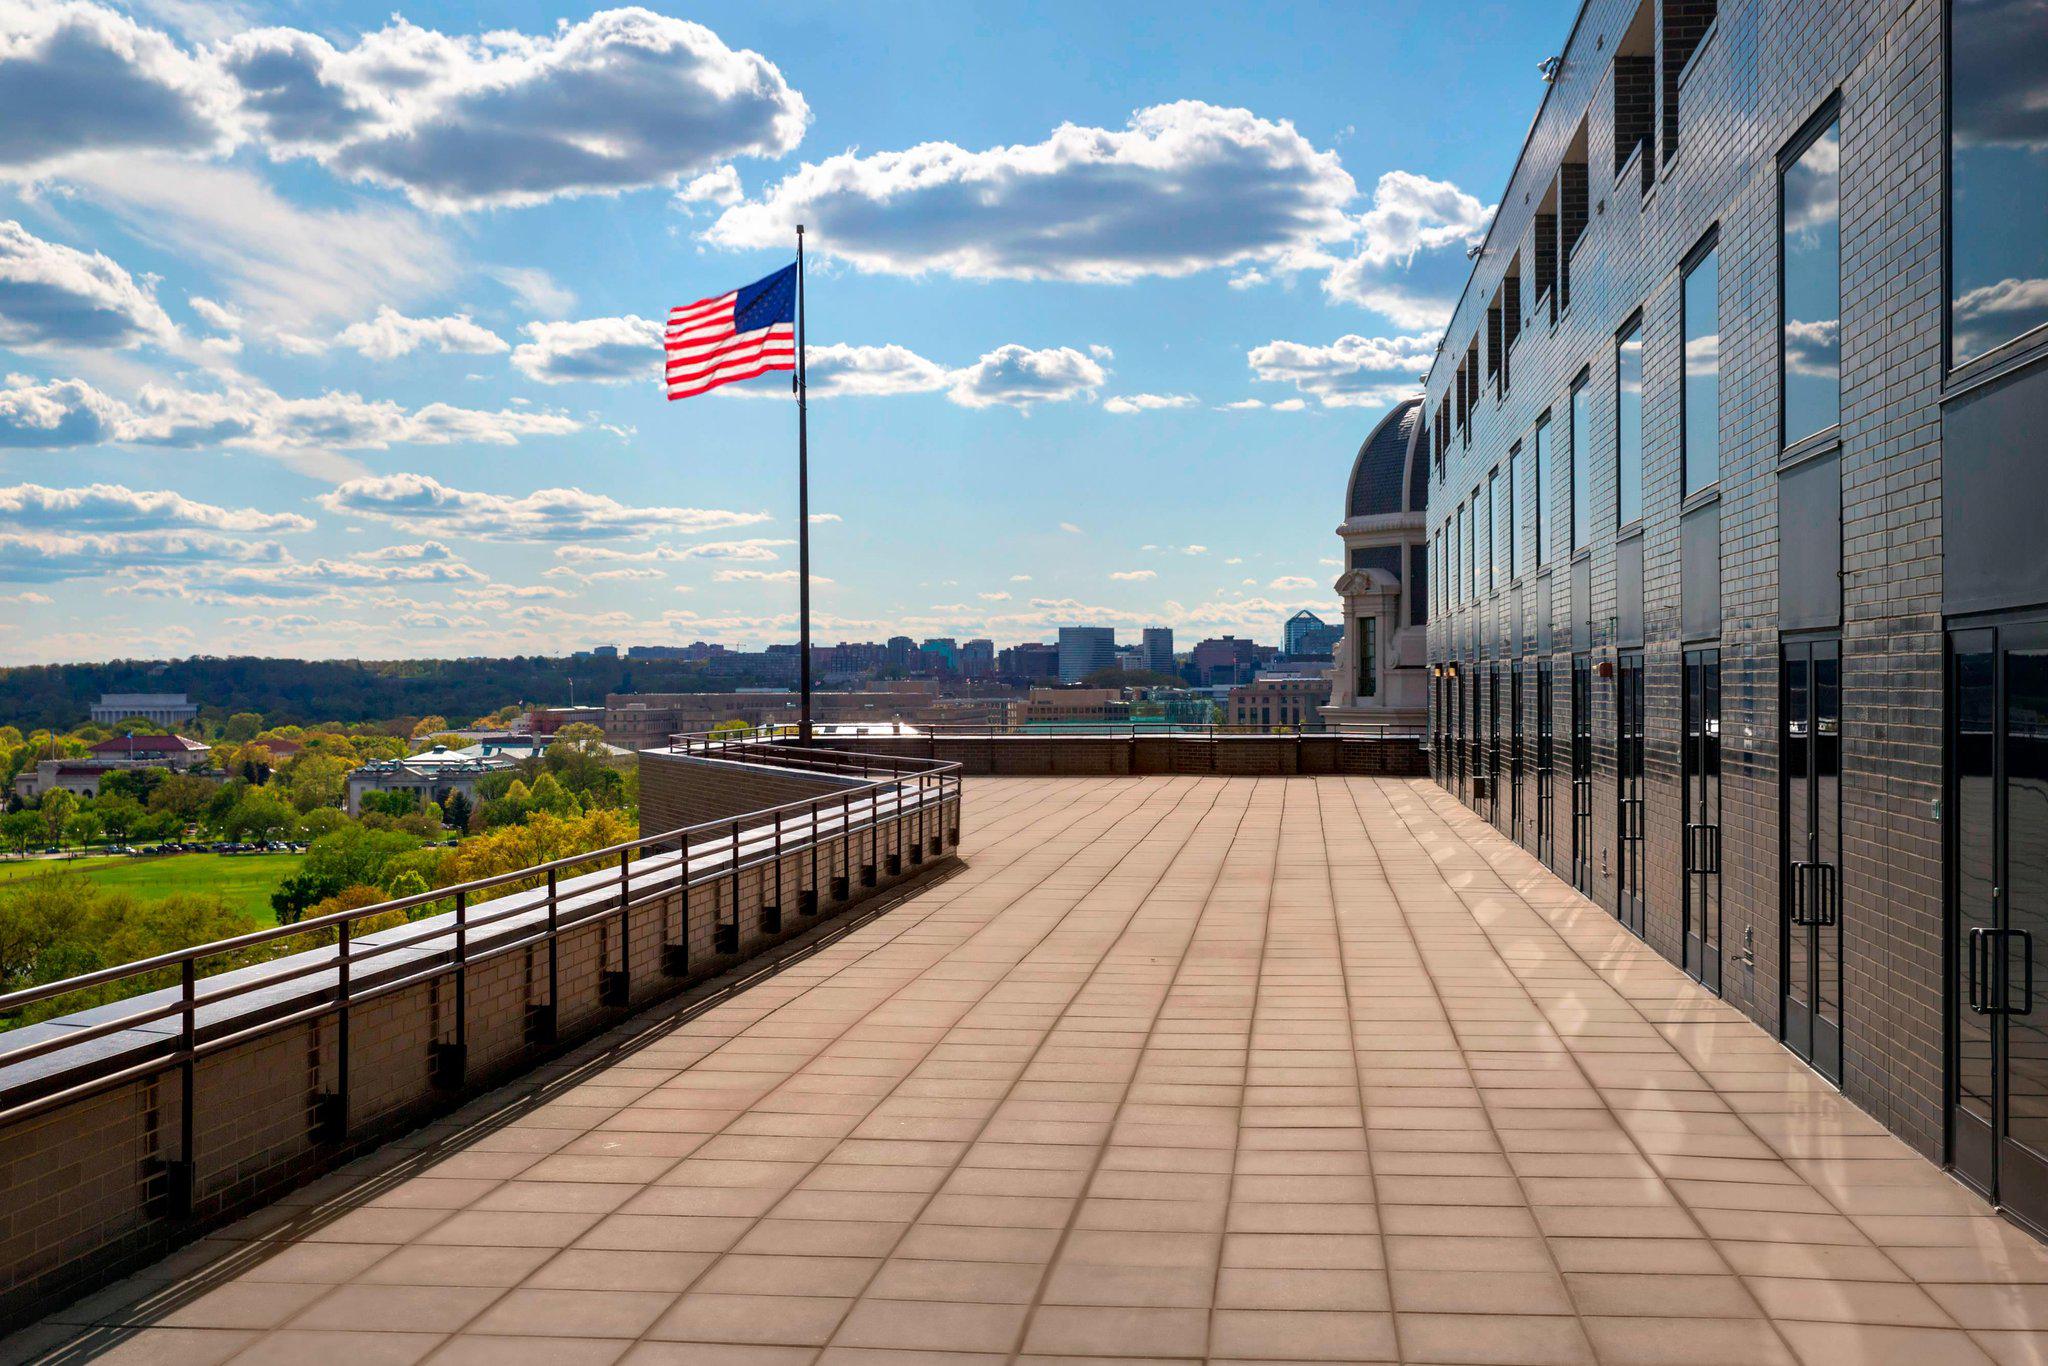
[1545,819]
[1516,764]
[1628,789]
[1998,923]
[1702,847]
[1493,766]
[1809,885]
[1582,773]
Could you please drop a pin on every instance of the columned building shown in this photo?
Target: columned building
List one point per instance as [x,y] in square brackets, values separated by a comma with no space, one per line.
[1380,675]
[1740,617]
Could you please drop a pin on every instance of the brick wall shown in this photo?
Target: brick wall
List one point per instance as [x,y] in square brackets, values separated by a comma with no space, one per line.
[1160,754]
[1766,69]
[679,790]
[83,1188]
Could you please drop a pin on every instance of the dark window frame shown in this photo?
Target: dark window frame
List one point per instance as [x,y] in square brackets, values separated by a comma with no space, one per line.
[1632,328]
[1708,245]
[1829,112]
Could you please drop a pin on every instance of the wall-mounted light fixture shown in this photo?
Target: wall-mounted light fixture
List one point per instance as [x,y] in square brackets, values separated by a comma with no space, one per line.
[1551,67]
[1606,669]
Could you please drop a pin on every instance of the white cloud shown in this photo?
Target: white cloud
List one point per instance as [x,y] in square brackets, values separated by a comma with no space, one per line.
[54,295]
[1289,405]
[1291,582]
[535,289]
[759,548]
[761,576]
[1067,527]
[1026,578]
[993,597]
[77,79]
[1411,213]
[1133,575]
[1352,371]
[838,368]
[1019,377]
[1140,403]
[621,100]
[1089,204]
[54,415]
[292,268]
[601,350]
[425,504]
[113,507]
[51,557]
[392,334]
[721,187]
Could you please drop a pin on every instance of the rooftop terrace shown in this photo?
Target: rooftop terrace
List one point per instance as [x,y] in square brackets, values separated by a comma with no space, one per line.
[1173,1068]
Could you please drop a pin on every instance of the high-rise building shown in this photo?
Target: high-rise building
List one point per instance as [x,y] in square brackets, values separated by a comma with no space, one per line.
[901,648]
[1085,650]
[1029,662]
[940,654]
[1226,659]
[977,658]
[1308,634]
[1159,649]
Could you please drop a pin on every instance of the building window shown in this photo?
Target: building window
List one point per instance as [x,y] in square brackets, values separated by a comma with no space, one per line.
[1510,492]
[1628,423]
[1471,533]
[1701,432]
[1582,483]
[1810,303]
[1461,587]
[1997,175]
[1482,535]
[1368,656]
[1499,494]
[1540,497]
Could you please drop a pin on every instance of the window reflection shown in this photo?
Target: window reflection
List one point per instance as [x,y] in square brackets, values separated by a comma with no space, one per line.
[1628,424]
[1810,228]
[1998,173]
[1703,373]
[1582,482]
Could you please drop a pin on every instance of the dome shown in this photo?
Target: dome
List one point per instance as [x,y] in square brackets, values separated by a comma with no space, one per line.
[1391,473]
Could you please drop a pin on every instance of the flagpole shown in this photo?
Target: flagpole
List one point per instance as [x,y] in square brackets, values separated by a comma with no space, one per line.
[803,509]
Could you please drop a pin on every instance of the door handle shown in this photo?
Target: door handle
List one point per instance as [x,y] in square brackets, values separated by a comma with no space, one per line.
[2026,976]
[1977,959]
[1802,893]
[1825,897]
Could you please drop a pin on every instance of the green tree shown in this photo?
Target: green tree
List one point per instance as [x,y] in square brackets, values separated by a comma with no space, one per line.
[58,807]
[242,726]
[118,814]
[183,796]
[318,780]
[137,783]
[456,812]
[260,813]
[20,829]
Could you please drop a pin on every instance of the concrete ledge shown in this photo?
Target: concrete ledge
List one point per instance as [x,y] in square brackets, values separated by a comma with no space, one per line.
[1118,755]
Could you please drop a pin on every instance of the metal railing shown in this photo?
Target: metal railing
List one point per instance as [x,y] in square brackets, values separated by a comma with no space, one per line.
[338,970]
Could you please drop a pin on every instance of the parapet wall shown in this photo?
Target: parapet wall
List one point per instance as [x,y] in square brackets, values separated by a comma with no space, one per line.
[96,1185]
[1106,755]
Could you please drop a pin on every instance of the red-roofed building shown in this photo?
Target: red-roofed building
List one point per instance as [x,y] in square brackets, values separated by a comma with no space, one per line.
[167,751]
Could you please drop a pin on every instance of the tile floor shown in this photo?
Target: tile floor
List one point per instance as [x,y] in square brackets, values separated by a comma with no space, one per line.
[1177,1069]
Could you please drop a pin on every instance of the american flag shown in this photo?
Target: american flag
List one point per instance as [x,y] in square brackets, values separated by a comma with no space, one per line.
[735,336]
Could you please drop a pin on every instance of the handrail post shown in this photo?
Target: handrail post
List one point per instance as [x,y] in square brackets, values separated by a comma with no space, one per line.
[615,985]
[554,1013]
[183,1175]
[675,957]
[811,902]
[338,1121]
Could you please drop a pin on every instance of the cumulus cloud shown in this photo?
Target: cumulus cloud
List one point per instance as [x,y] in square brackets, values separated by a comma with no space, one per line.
[52,557]
[721,186]
[759,548]
[1290,583]
[560,514]
[79,78]
[1410,214]
[1133,575]
[1091,204]
[622,100]
[54,295]
[601,350]
[761,576]
[871,370]
[1019,377]
[55,415]
[114,507]
[1350,372]
[391,334]
[1126,404]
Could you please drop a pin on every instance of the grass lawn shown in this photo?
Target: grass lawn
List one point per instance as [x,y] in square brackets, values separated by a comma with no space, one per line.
[246,880]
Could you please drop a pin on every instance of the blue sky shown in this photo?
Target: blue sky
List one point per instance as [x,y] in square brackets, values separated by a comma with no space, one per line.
[328,331]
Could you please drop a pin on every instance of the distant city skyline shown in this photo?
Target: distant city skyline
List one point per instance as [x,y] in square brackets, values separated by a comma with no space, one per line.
[290,366]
